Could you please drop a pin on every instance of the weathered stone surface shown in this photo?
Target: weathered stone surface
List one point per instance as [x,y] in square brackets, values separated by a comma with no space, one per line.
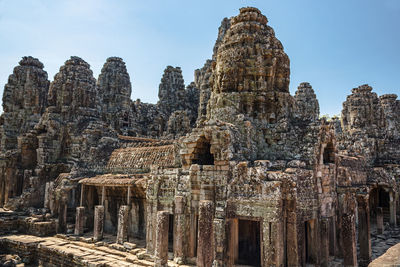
[178,124]
[232,170]
[391,109]
[114,93]
[171,91]
[307,107]
[251,73]
[24,100]
[362,111]
[202,80]
[79,221]
[98,223]
[192,102]
[122,232]
[161,248]
[205,241]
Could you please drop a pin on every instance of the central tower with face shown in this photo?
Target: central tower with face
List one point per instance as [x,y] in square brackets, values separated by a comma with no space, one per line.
[251,72]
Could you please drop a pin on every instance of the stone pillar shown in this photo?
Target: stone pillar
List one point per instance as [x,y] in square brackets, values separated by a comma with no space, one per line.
[52,203]
[180,233]
[379,220]
[82,193]
[103,195]
[47,196]
[128,196]
[98,222]
[80,220]
[324,242]
[233,241]
[62,217]
[135,218]
[192,235]
[392,208]
[273,247]
[151,223]
[364,229]
[396,197]
[205,250]
[161,246]
[332,236]
[293,257]
[219,241]
[349,240]
[122,232]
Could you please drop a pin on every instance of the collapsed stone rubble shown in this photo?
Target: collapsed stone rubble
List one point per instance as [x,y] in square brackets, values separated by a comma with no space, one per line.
[231,170]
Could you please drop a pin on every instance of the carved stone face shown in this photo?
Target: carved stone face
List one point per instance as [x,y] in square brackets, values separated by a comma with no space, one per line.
[250,58]
[250,61]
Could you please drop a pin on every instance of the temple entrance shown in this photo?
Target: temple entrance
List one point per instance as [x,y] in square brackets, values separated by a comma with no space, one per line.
[249,249]
[171,233]
[379,197]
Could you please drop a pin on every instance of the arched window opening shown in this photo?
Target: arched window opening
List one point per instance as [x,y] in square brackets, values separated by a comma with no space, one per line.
[329,153]
[203,154]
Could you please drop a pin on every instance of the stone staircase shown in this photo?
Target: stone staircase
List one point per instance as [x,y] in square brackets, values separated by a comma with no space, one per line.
[70,251]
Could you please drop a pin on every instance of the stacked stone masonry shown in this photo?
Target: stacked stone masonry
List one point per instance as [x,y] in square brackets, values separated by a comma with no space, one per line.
[230,170]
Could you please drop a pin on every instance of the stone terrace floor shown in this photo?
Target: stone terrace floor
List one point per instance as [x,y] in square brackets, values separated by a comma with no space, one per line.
[88,254]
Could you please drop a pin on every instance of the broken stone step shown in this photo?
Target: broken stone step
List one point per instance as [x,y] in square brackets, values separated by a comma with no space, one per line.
[129,246]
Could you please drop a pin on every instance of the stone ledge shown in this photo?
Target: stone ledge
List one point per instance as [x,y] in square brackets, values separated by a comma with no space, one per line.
[390,258]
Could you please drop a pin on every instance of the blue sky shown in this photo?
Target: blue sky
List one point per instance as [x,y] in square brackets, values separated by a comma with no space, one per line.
[334,45]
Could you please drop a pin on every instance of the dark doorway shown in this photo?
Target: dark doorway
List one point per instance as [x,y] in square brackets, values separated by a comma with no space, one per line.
[329,153]
[379,197]
[384,198]
[203,154]
[141,227]
[249,243]
[171,233]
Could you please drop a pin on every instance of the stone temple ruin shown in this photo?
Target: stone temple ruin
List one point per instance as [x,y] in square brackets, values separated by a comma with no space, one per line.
[230,171]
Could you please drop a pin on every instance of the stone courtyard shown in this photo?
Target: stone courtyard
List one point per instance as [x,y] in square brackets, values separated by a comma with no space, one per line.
[229,170]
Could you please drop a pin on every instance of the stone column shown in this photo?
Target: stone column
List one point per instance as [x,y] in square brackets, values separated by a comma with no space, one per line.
[52,203]
[98,222]
[80,220]
[135,218]
[379,220]
[103,195]
[332,236]
[392,208]
[192,235]
[46,203]
[219,241]
[273,247]
[349,240]
[122,232]
[62,217]
[293,257]
[128,196]
[233,241]
[180,234]
[82,194]
[205,250]
[161,246]
[364,229]
[151,223]
[324,242]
